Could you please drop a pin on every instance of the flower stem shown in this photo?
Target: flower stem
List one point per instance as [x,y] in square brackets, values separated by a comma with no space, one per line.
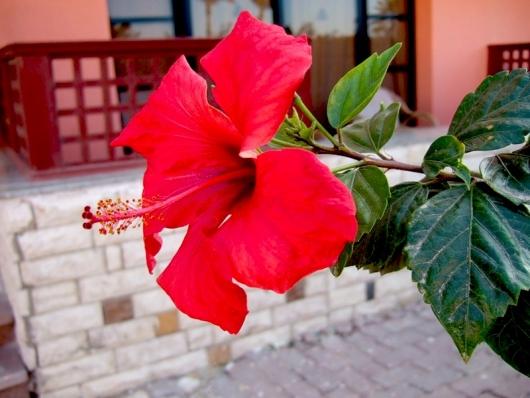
[339,149]
[300,104]
[386,164]
[383,163]
[283,143]
[383,156]
[345,167]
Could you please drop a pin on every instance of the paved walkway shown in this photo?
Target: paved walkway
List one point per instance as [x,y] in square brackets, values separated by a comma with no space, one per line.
[403,354]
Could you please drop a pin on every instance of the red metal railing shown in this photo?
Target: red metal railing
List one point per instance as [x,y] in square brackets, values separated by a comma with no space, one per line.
[508,57]
[62,103]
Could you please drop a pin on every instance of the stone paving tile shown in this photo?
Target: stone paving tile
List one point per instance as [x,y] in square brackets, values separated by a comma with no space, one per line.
[137,394]
[321,378]
[360,363]
[356,382]
[368,344]
[335,342]
[303,389]
[499,380]
[401,391]
[436,357]
[445,392]
[341,392]
[397,340]
[402,354]
[327,359]
[434,380]
[221,386]
[165,388]
[251,379]
[275,370]
[399,376]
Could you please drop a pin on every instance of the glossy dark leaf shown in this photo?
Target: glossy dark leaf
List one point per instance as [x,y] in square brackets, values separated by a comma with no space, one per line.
[381,250]
[370,135]
[446,151]
[343,260]
[510,335]
[370,191]
[497,114]
[509,175]
[469,253]
[357,87]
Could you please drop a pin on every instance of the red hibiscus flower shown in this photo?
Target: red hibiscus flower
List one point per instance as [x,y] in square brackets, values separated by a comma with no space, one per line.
[262,219]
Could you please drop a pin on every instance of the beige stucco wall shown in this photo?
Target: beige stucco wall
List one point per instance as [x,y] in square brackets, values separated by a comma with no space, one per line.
[53,20]
[452,39]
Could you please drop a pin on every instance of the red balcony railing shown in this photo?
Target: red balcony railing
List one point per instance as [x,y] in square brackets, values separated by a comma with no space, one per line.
[63,103]
[508,57]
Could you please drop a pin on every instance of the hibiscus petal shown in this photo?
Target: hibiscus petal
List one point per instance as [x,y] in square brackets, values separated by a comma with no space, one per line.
[152,244]
[199,282]
[178,131]
[187,209]
[297,221]
[186,142]
[256,70]
[212,204]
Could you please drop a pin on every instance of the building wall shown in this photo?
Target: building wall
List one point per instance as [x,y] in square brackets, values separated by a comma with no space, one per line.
[53,20]
[452,40]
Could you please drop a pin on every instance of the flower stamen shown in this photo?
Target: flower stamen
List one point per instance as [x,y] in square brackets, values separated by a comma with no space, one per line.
[117,215]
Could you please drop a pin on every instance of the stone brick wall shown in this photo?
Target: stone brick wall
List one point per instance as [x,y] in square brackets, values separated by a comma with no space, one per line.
[91,321]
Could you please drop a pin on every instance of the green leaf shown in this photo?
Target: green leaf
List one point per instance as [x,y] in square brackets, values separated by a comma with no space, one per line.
[497,114]
[370,191]
[381,249]
[337,268]
[509,175]
[357,87]
[370,135]
[446,151]
[510,335]
[289,133]
[469,253]
[463,173]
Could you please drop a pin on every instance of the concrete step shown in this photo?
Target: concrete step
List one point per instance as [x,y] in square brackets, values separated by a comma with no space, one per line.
[13,374]
[7,321]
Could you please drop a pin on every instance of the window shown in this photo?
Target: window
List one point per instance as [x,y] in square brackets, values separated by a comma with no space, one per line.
[343,32]
[141,19]
[381,24]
